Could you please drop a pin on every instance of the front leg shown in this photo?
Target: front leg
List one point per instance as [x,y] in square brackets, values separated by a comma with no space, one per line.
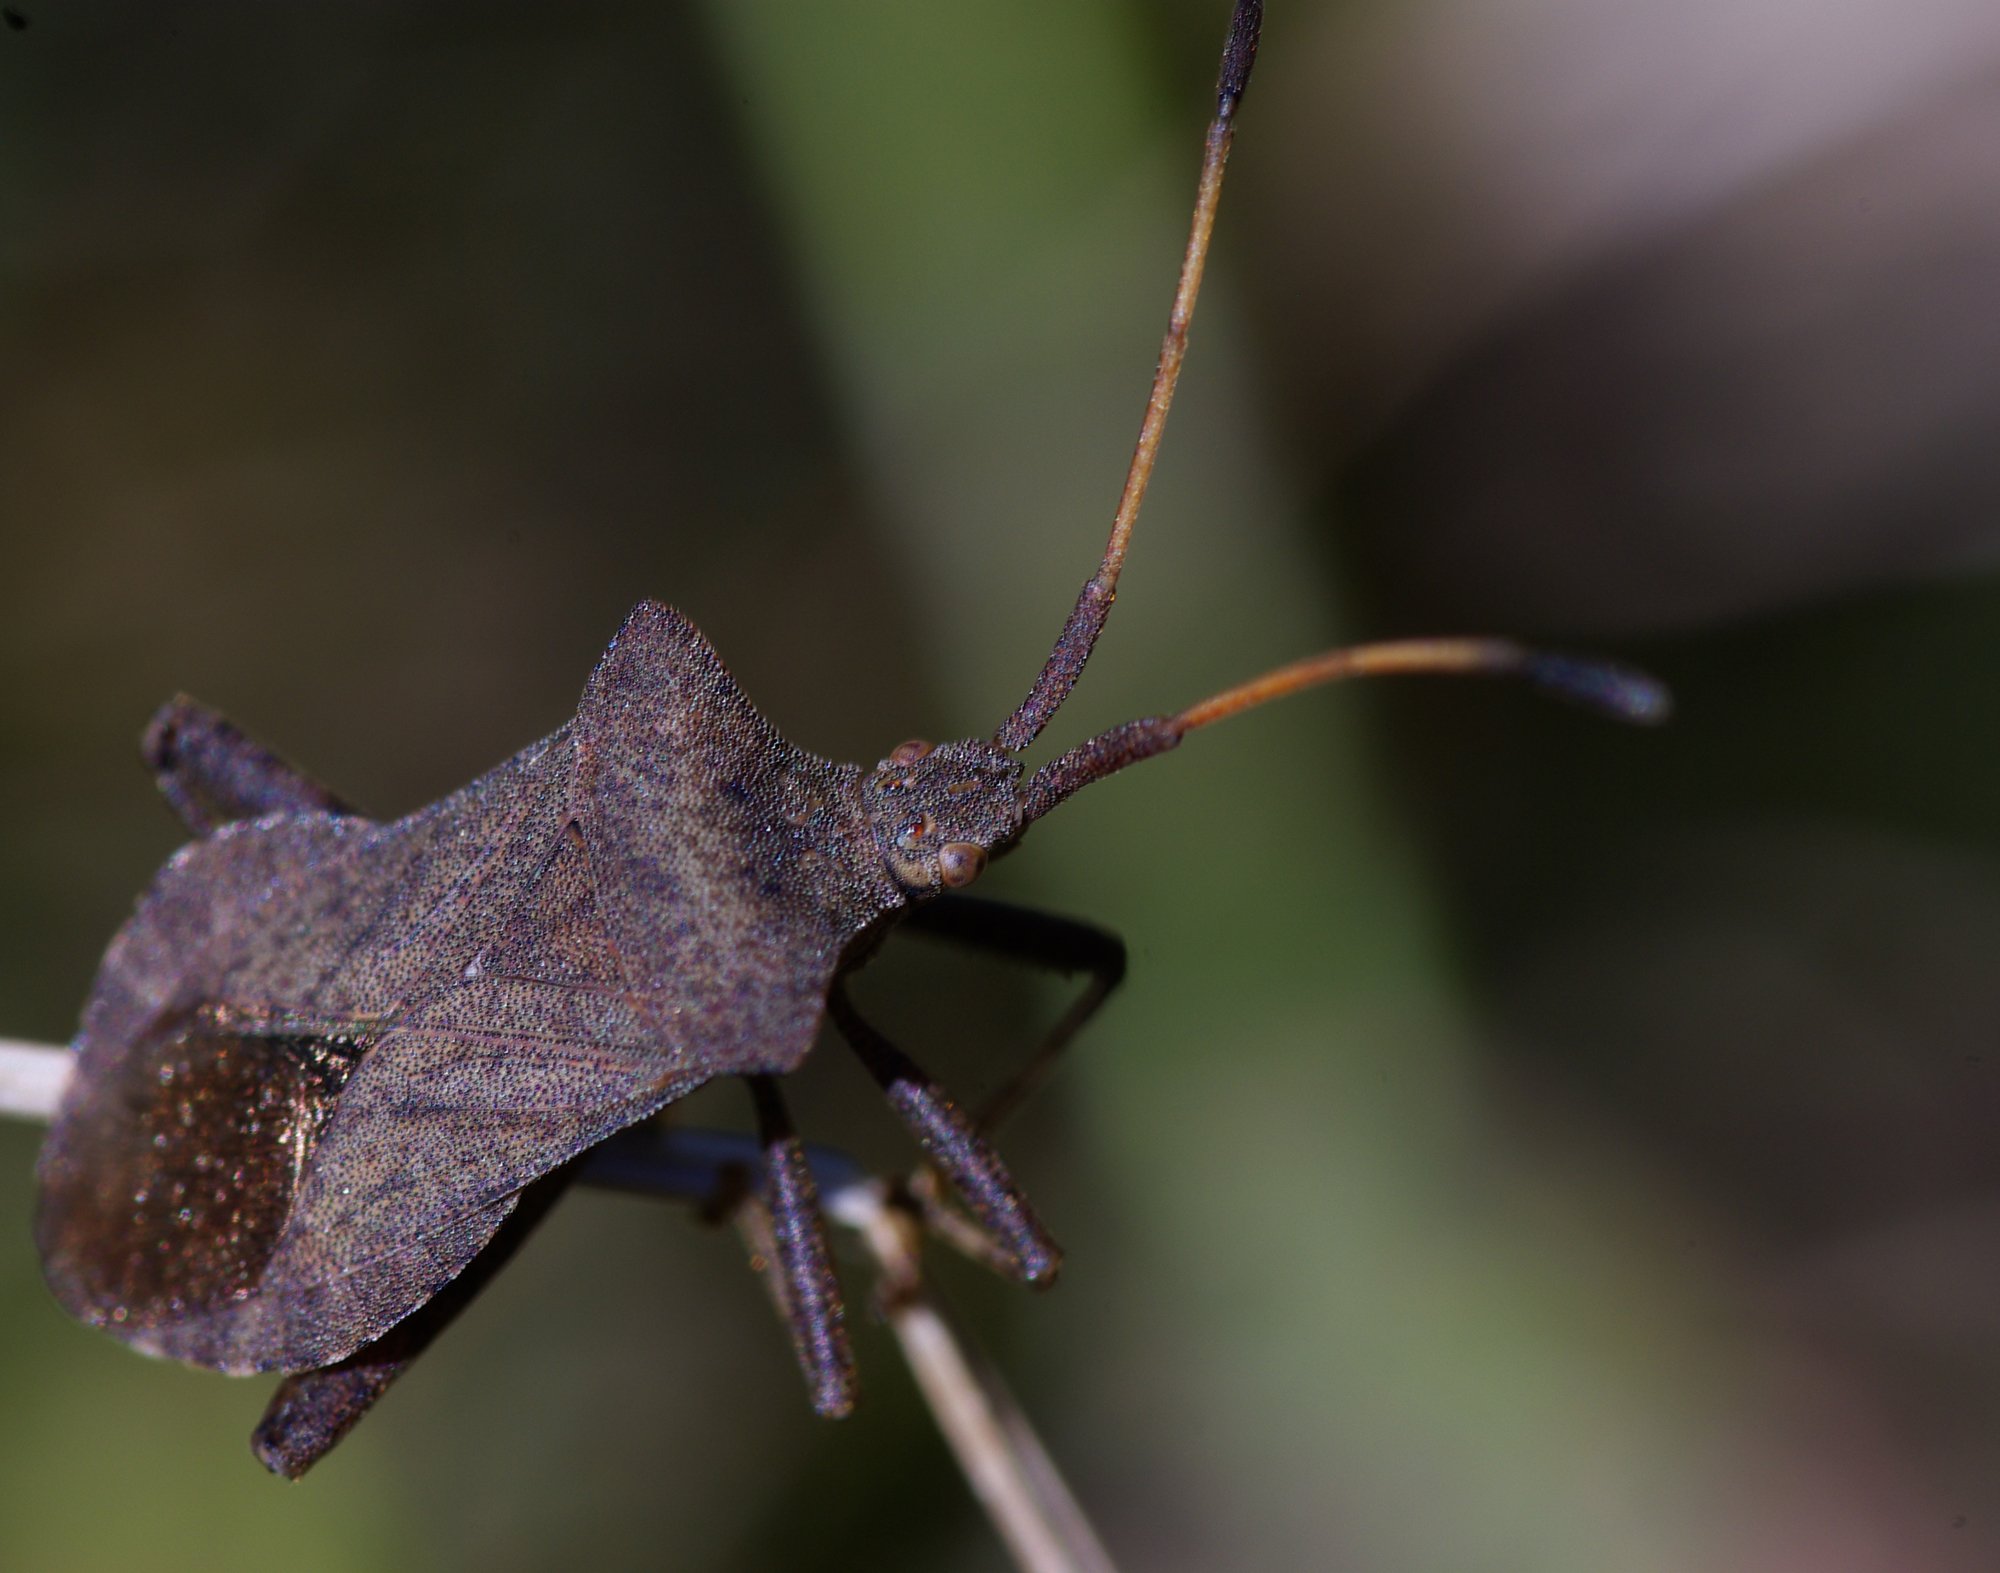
[1041,939]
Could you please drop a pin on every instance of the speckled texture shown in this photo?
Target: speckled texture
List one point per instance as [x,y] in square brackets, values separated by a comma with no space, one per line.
[325,1055]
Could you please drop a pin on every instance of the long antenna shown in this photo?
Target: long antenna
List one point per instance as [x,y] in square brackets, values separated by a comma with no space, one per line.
[1093,605]
[1604,686]
[1613,690]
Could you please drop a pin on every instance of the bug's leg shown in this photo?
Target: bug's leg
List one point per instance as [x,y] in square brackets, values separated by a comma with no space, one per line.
[312,1410]
[1041,939]
[808,1291]
[212,774]
[783,1225]
[951,1140]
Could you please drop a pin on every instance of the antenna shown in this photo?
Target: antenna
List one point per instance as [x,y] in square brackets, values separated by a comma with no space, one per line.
[1604,686]
[1093,605]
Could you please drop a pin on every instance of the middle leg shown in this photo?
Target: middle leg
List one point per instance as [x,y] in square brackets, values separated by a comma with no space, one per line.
[808,1292]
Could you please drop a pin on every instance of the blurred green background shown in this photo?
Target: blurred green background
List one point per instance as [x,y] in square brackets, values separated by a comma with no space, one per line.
[1522,1143]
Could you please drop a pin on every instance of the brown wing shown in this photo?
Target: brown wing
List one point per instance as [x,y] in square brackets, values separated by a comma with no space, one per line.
[304,1083]
[434,1135]
[167,1177]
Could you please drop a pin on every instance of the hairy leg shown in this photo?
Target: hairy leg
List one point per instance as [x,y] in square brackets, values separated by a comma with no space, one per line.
[951,1140]
[808,1292]
[313,1410]
[212,774]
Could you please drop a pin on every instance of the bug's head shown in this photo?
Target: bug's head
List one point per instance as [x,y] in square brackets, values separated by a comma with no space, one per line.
[939,811]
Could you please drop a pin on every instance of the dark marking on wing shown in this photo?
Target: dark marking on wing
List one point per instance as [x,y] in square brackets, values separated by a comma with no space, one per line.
[197,1147]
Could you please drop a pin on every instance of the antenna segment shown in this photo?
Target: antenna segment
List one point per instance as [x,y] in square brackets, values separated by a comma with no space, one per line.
[1093,605]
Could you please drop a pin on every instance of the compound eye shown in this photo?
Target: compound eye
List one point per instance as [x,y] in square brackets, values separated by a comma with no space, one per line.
[909,753]
[960,863]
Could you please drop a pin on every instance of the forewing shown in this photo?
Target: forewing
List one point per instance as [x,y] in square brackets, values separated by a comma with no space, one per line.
[407,912]
[537,1051]
[169,1171]
[437,1130]
[264,966]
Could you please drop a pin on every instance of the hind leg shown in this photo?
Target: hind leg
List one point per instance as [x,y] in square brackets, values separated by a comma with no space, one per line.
[212,774]
[313,1410]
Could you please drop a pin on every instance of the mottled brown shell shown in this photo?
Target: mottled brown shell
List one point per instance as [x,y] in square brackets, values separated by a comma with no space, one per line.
[324,1056]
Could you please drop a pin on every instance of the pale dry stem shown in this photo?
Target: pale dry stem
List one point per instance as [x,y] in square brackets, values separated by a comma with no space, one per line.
[31,1078]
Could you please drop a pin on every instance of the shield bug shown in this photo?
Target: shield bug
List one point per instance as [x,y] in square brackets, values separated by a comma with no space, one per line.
[332,1068]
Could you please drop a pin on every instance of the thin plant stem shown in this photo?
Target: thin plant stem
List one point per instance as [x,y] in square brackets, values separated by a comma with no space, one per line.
[1005,1463]
[32,1077]
[1010,1472]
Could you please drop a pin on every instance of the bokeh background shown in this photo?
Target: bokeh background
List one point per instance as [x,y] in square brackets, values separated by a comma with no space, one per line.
[1523,1143]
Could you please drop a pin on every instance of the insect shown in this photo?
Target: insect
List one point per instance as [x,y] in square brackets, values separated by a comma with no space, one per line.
[333,1069]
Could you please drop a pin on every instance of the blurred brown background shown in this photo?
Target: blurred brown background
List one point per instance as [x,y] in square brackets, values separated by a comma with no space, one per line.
[1522,1143]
